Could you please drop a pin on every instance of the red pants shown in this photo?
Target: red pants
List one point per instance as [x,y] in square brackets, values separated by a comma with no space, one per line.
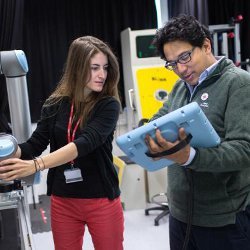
[103,217]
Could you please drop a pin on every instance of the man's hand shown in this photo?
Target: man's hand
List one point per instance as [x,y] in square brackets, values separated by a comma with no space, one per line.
[162,144]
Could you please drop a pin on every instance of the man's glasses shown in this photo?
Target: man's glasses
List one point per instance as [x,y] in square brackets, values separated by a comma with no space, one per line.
[183,59]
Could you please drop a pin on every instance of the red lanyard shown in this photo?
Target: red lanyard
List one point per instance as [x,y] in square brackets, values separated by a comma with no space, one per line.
[72,137]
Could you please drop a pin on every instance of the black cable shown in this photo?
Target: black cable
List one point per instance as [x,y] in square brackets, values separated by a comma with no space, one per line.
[190,207]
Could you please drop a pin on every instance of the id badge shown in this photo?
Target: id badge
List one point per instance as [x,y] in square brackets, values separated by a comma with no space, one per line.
[73,175]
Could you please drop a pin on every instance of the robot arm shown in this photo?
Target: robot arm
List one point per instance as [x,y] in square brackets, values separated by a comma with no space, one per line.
[8,146]
[13,65]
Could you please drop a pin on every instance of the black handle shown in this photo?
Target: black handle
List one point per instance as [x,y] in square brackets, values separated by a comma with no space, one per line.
[172,150]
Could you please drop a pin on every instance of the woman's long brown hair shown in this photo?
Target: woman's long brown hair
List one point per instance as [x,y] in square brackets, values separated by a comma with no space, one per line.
[77,74]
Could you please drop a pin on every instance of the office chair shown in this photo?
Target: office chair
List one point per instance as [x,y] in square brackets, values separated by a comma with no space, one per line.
[161,200]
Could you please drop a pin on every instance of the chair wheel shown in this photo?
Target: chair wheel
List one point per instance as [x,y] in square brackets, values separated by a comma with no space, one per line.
[156,223]
[146,212]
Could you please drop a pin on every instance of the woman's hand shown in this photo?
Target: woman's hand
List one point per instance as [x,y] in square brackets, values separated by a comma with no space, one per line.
[15,168]
[162,144]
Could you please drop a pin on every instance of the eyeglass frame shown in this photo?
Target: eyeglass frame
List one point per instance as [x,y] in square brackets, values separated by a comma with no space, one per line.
[172,65]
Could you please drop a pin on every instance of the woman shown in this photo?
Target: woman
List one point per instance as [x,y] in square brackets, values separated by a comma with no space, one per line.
[78,121]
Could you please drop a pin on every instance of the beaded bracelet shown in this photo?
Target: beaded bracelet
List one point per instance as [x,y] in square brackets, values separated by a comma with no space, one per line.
[35,162]
[42,162]
[39,167]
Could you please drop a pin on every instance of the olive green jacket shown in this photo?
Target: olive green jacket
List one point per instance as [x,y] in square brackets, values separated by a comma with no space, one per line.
[221,175]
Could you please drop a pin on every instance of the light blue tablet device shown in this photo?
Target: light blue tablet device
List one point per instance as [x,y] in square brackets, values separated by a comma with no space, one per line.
[190,117]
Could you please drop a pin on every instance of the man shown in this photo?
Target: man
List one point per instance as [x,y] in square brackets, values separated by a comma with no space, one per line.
[208,188]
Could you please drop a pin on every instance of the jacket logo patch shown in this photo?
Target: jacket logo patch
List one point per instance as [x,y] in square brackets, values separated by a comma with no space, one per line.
[204,96]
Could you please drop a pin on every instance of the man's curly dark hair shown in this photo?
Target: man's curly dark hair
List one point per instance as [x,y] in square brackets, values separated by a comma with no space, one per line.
[183,28]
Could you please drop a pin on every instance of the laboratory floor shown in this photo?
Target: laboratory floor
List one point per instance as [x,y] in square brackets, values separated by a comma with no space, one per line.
[140,231]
